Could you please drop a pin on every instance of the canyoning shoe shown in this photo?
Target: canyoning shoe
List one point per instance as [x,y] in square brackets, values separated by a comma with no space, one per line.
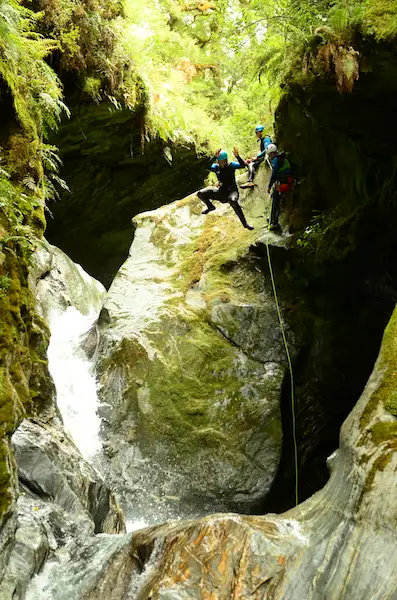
[248,184]
[207,210]
[249,227]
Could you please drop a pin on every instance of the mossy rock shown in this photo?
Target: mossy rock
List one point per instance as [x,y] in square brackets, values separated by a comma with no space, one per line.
[192,360]
[25,383]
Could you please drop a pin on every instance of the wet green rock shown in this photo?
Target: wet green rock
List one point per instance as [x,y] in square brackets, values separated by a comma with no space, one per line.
[192,361]
[24,377]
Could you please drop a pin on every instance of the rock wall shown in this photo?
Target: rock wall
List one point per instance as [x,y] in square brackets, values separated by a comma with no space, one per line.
[191,361]
[112,177]
[24,378]
[342,273]
[62,500]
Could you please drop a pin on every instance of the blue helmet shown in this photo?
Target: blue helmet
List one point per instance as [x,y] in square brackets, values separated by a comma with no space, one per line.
[259,128]
[222,155]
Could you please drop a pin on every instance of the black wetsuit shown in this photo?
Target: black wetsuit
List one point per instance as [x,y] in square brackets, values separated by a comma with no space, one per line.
[227,190]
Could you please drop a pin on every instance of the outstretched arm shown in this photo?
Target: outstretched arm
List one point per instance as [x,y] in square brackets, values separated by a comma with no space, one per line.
[241,163]
[211,166]
[266,141]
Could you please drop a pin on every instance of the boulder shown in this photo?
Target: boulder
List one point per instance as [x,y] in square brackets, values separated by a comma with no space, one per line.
[191,362]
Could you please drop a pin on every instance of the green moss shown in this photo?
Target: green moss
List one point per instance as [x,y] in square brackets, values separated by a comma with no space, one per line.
[391,404]
[379,465]
[5,477]
[162,237]
[384,431]
[217,245]
[195,397]
[368,411]
[386,393]
[24,380]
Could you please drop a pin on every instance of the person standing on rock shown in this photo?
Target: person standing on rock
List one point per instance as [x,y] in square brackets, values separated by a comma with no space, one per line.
[255,162]
[281,181]
[226,190]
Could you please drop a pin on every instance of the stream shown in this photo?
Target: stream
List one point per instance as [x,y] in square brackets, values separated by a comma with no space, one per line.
[77,400]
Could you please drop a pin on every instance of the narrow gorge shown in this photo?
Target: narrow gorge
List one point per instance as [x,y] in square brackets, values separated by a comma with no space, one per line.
[191,409]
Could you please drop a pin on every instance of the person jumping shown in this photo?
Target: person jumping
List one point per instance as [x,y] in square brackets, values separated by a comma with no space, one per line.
[281,181]
[254,163]
[226,190]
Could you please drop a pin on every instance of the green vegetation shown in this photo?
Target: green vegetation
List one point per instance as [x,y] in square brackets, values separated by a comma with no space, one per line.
[385,395]
[31,103]
[212,250]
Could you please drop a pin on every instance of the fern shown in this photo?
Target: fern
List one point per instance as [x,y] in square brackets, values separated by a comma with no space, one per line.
[34,86]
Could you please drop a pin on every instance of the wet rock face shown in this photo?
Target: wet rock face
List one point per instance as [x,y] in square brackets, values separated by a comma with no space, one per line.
[52,468]
[24,379]
[191,363]
[341,544]
[60,283]
[111,179]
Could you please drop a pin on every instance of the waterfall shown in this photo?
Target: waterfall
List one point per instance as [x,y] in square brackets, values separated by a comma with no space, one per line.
[74,381]
[73,372]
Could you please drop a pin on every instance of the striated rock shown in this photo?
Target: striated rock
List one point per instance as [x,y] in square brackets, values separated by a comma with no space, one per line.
[50,465]
[28,550]
[191,362]
[63,502]
[341,544]
[25,383]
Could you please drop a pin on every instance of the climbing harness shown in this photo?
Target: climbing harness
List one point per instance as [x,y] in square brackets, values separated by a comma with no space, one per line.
[291,375]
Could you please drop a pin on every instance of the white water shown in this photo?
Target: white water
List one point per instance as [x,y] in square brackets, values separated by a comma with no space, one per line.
[75,384]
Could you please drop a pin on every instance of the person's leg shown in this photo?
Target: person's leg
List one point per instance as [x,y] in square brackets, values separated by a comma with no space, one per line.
[233,201]
[275,212]
[252,170]
[206,195]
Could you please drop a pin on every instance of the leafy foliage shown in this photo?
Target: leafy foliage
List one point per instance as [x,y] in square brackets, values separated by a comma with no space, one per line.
[35,88]
[84,31]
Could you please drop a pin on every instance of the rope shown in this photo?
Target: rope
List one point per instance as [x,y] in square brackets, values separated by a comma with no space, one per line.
[291,376]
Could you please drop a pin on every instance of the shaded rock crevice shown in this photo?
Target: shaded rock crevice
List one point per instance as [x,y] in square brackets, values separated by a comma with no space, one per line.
[111,180]
[338,319]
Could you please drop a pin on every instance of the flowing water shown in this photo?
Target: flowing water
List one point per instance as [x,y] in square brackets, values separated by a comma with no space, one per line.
[76,391]
[75,384]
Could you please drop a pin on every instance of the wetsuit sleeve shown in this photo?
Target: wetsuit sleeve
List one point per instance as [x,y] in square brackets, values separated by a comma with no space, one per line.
[212,165]
[267,140]
[240,164]
[273,178]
